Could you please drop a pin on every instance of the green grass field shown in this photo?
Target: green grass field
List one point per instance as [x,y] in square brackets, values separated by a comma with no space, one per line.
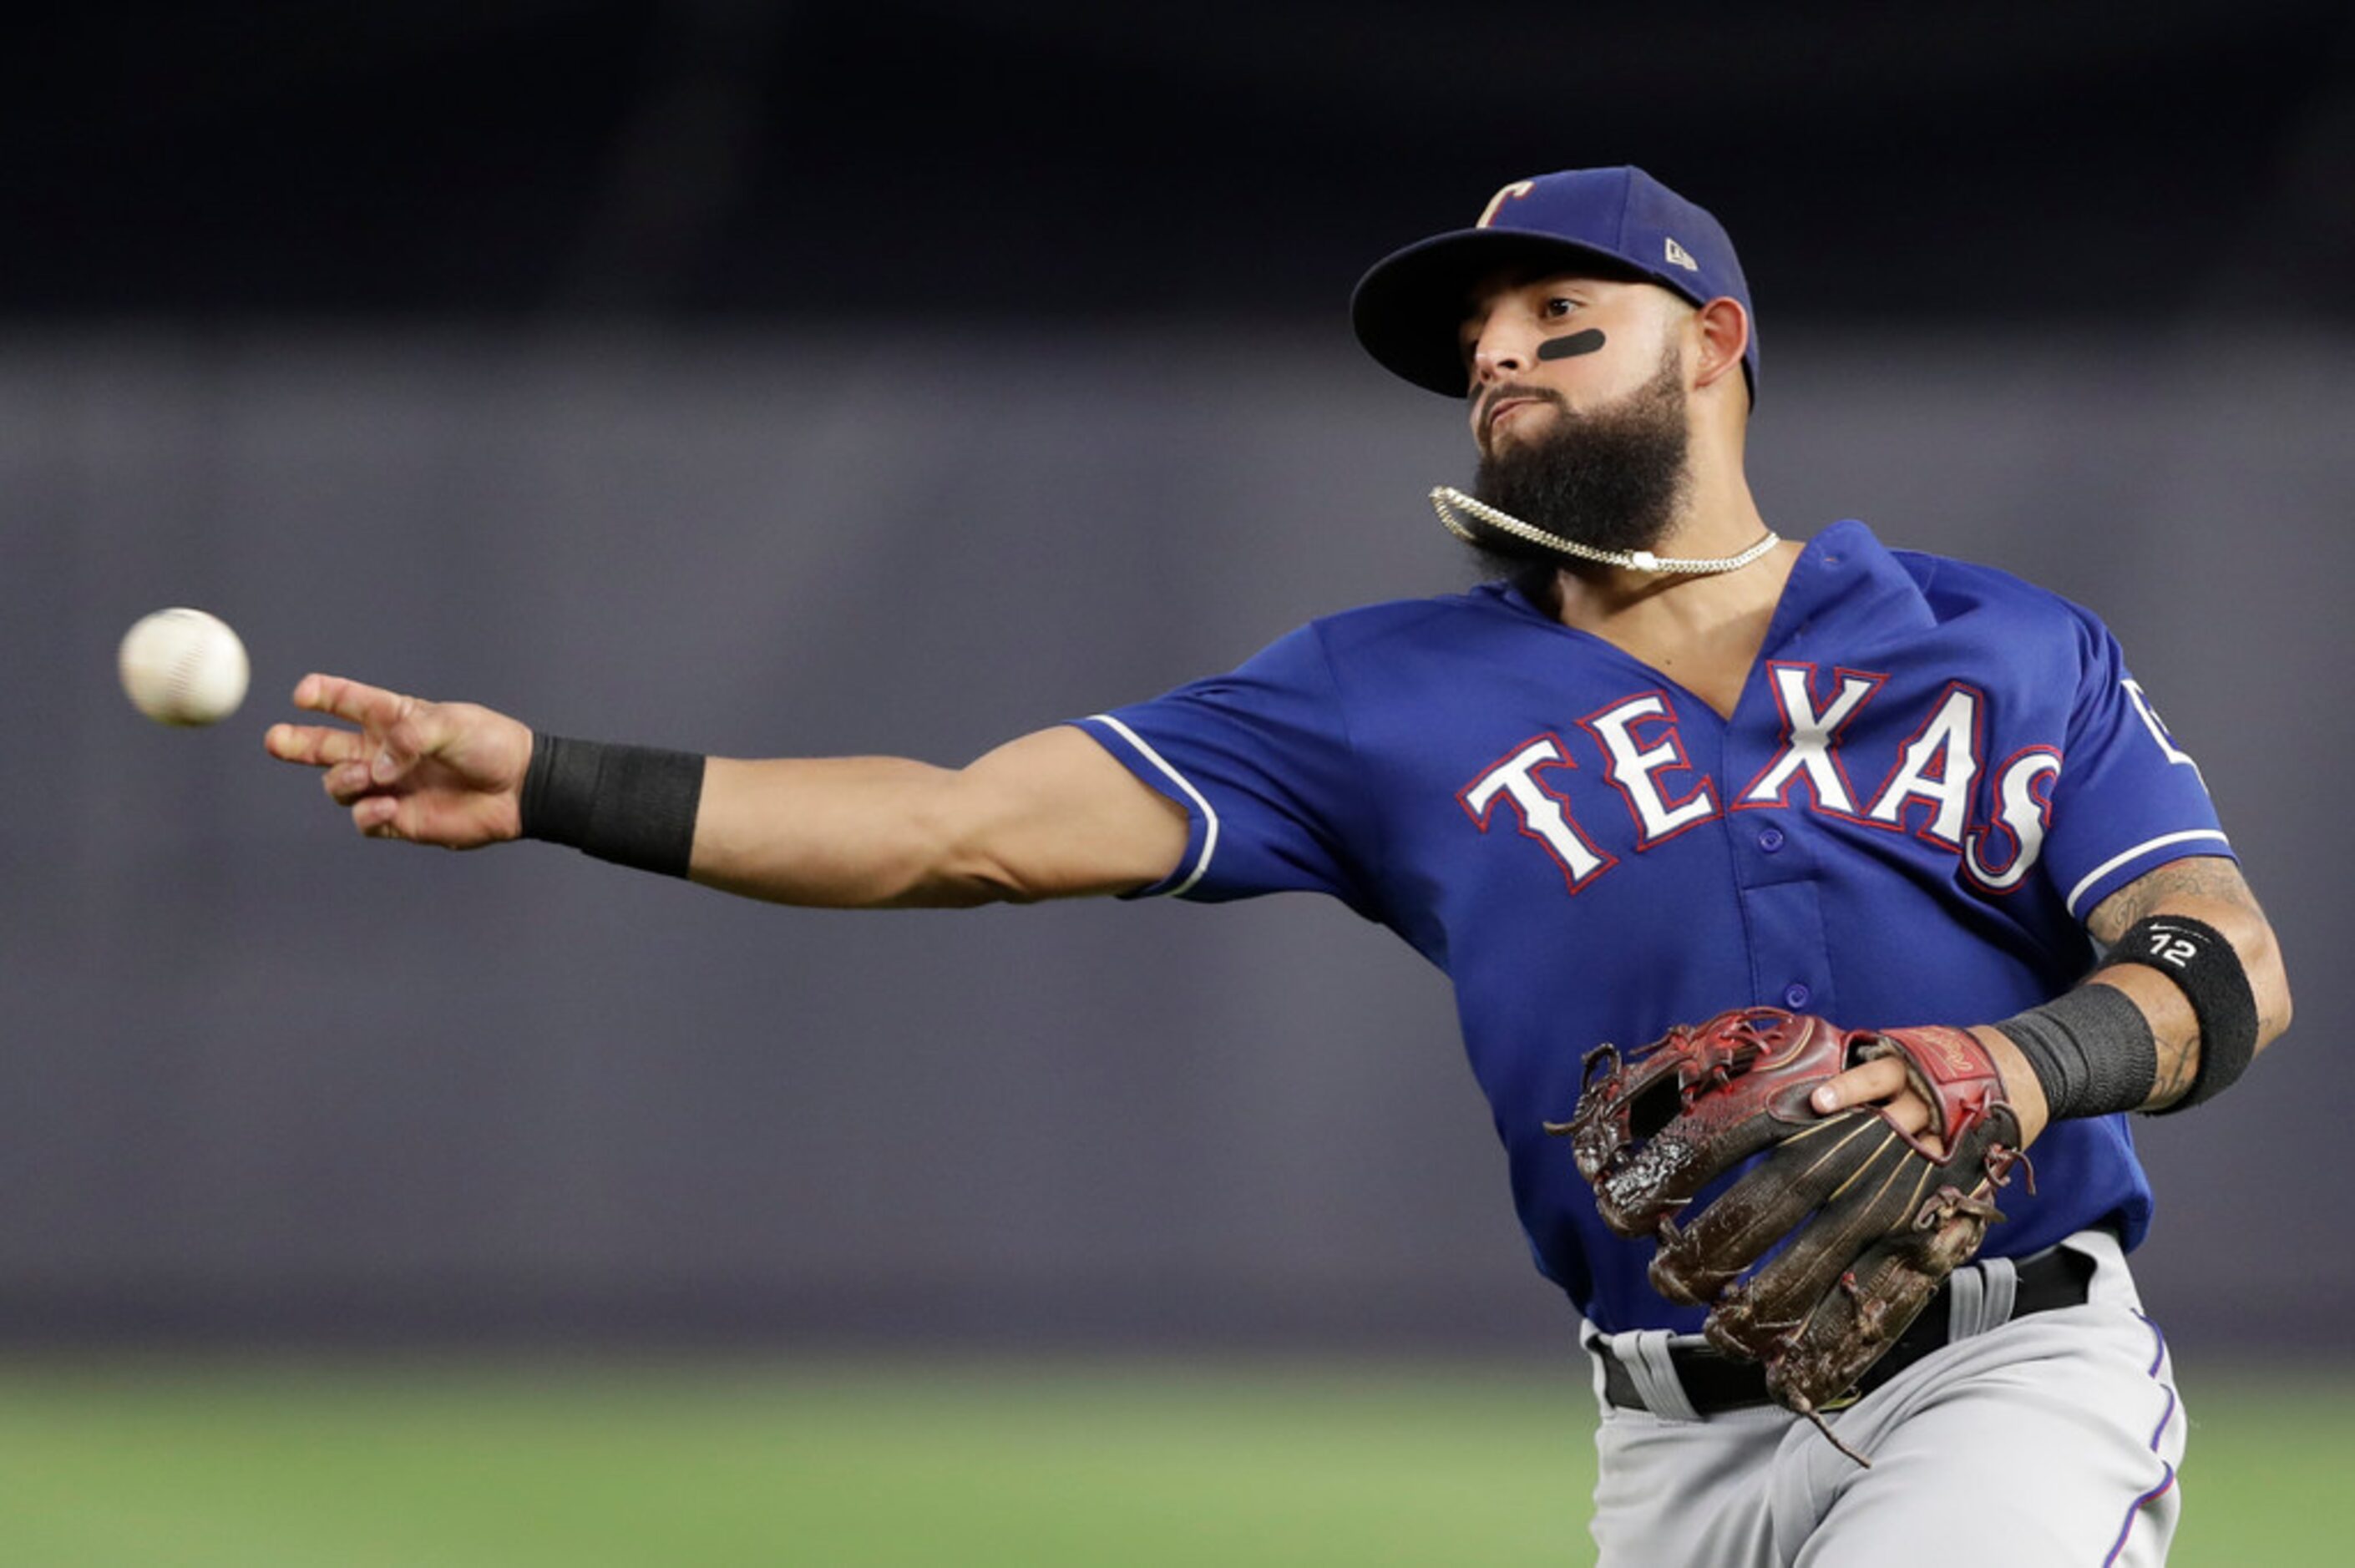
[159,1463]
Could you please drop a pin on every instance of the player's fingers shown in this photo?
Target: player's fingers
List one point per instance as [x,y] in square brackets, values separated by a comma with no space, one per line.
[371,707]
[346,782]
[419,733]
[375,816]
[1913,1113]
[1874,1081]
[1910,1113]
[316,744]
[1882,1085]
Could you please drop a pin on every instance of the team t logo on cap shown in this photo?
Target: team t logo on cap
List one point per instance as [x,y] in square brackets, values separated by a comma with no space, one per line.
[1518,188]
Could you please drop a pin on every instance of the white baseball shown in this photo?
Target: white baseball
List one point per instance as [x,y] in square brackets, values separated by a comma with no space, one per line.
[183,667]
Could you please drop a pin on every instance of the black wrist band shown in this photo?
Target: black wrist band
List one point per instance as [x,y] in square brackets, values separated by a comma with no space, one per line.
[2091,1048]
[630,804]
[2201,962]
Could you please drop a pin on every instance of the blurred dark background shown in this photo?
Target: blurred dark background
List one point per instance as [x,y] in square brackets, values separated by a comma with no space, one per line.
[720,160]
[819,377]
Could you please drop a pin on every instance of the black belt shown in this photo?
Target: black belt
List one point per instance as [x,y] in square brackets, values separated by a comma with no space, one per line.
[1714,1383]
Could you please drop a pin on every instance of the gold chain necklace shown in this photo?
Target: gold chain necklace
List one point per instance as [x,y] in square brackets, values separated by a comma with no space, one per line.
[1446,500]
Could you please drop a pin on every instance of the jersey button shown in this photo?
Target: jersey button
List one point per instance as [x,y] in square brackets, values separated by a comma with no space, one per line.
[1770,839]
[1794,996]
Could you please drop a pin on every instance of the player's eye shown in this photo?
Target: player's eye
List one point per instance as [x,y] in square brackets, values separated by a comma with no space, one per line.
[1556,307]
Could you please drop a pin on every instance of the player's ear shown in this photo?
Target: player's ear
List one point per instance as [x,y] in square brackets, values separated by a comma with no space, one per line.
[1724,330]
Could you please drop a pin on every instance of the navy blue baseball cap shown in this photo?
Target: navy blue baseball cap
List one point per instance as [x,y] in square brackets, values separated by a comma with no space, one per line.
[1409,309]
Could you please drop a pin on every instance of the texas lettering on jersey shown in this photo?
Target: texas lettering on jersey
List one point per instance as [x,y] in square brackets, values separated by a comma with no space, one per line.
[1886,830]
[1938,783]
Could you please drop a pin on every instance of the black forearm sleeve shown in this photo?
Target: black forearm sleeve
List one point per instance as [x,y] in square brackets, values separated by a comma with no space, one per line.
[631,805]
[2091,1048]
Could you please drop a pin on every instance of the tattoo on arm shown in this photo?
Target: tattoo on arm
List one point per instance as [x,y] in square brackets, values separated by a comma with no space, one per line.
[2179,1063]
[2202,876]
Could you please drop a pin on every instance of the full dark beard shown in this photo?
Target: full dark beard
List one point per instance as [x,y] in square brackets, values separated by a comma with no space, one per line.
[1612,480]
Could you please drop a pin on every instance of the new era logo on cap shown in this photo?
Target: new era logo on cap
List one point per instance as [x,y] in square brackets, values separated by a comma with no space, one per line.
[1678,255]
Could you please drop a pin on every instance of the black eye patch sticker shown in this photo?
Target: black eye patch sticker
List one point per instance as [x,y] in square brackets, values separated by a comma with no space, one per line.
[1577,343]
[1567,347]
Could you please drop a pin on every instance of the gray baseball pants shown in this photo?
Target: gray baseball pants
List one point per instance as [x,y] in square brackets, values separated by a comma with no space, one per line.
[2051,1439]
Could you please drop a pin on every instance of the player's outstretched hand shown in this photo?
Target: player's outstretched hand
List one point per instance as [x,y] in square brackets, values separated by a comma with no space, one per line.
[433,773]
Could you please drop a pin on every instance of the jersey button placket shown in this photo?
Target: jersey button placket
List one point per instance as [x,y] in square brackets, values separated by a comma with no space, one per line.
[1775,857]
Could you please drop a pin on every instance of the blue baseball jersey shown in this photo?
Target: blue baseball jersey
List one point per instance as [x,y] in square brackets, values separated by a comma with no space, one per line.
[1933,772]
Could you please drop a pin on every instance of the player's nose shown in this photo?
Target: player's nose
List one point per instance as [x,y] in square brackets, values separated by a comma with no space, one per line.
[1497,352]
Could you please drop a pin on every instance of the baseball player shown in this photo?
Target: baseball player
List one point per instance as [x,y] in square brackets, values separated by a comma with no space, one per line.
[1664,765]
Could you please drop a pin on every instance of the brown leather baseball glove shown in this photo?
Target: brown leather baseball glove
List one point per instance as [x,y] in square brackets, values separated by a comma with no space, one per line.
[1870,1219]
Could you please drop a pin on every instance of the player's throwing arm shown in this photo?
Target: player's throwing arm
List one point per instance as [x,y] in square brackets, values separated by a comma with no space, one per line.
[1046,816]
